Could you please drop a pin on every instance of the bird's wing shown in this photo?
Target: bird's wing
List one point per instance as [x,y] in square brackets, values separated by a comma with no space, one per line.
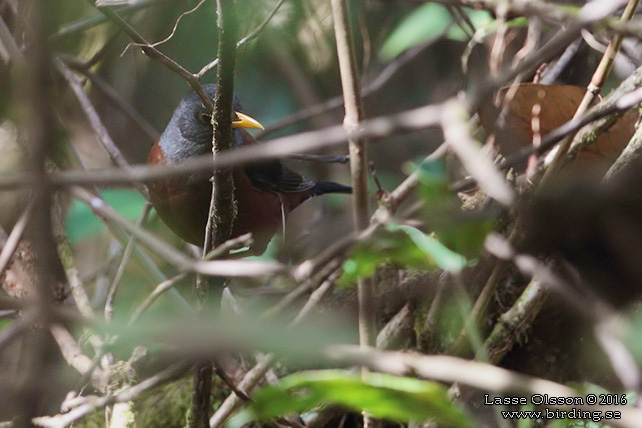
[272,175]
[276,177]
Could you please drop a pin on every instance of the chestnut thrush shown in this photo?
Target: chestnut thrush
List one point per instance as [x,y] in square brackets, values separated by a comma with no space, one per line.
[265,191]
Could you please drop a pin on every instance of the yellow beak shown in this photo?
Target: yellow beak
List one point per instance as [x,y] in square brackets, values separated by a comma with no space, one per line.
[245,121]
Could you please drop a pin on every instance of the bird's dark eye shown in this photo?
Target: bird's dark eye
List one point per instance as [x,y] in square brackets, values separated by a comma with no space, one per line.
[205,117]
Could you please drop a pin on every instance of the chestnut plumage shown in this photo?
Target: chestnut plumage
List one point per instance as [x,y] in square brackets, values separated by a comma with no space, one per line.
[264,191]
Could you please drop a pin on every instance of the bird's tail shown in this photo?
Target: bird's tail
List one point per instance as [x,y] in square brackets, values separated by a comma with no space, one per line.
[324,187]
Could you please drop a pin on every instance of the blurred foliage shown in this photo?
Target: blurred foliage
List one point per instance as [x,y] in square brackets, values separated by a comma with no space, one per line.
[455,236]
[400,246]
[387,397]
[428,22]
[461,231]
[632,336]
[207,334]
[83,224]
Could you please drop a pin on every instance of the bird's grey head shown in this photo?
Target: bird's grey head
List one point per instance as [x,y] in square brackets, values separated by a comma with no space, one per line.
[189,131]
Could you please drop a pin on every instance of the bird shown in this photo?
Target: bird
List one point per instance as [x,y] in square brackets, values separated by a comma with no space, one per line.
[265,192]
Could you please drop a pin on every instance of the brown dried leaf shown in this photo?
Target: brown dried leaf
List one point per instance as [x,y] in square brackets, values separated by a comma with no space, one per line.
[558,105]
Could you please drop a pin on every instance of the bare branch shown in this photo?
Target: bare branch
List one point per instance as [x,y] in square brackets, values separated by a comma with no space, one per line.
[249,37]
[111,295]
[408,121]
[97,125]
[180,260]
[154,53]
[128,394]
[11,244]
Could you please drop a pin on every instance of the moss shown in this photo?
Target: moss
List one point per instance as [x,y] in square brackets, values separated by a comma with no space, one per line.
[95,420]
[168,406]
[165,407]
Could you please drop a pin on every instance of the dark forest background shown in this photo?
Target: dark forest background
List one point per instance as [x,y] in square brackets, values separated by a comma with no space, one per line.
[493,270]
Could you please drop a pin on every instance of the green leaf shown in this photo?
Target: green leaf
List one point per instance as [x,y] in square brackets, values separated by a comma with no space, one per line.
[386,246]
[425,23]
[383,396]
[445,258]
[433,185]
[402,246]
[462,231]
[479,18]
[82,223]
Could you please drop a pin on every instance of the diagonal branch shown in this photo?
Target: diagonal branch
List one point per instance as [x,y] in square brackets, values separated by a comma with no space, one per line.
[154,53]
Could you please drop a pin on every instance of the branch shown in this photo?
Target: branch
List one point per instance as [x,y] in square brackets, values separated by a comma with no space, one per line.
[218,252]
[128,394]
[131,243]
[178,259]
[36,95]
[11,244]
[143,257]
[631,153]
[554,158]
[390,71]
[358,167]
[97,125]
[93,21]
[249,37]
[408,121]
[121,104]
[222,210]
[469,151]
[154,53]
[222,205]
[254,376]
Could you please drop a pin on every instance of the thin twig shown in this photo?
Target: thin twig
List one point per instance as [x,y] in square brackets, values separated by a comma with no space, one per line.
[631,153]
[177,258]
[178,20]
[10,246]
[553,159]
[390,71]
[128,394]
[469,152]
[316,296]
[78,292]
[97,125]
[250,380]
[408,121]
[91,22]
[254,376]
[154,53]
[398,327]
[9,43]
[120,103]
[72,352]
[111,295]
[158,291]
[249,37]
[218,252]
